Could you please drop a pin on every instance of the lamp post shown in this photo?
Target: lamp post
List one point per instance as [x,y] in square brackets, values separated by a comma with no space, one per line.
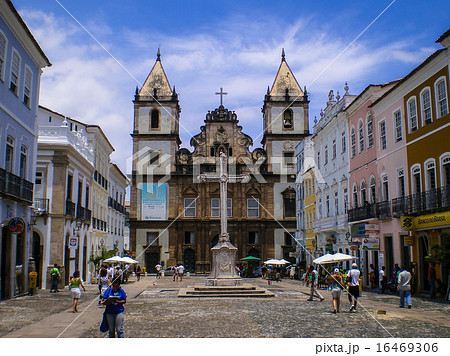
[77,227]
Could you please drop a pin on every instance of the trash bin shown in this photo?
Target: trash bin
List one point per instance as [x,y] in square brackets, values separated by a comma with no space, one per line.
[32,280]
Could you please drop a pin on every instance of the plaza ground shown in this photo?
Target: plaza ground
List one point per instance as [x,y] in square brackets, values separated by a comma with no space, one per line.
[154,311]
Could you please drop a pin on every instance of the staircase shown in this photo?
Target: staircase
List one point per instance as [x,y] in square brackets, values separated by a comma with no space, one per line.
[243,291]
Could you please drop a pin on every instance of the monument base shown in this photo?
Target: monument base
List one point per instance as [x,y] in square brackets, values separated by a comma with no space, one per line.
[224,266]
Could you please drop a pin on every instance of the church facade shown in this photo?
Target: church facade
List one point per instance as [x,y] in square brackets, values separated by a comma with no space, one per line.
[174,216]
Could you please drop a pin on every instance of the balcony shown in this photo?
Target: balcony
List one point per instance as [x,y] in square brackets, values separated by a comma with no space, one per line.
[15,187]
[431,201]
[399,206]
[70,208]
[383,210]
[83,214]
[41,205]
[368,211]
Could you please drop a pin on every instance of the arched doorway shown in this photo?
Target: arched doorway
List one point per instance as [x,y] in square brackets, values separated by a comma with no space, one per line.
[189,260]
[36,254]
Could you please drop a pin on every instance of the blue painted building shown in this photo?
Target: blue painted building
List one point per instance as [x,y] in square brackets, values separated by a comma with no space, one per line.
[21,63]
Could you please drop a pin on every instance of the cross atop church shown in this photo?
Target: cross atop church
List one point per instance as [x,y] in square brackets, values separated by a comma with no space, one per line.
[223,178]
[221,93]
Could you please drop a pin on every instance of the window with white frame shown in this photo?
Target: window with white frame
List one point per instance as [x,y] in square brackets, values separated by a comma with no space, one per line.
[401,182]
[398,125]
[441,98]
[190,207]
[363,192]
[343,142]
[383,141]
[318,159]
[326,154]
[215,207]
[27,87]
[373,190]
[9,158]
[353,141]
[327,202]
[336,203]
[361,136]
[334,149]
[23,162]
[416,182]
[445,163]
[3,43]
[345,200]
[431,175]
[425,99]
[355,196]
[369,131]
[412,114]
[319,208]
[252,207]
[15,73]
[385,187]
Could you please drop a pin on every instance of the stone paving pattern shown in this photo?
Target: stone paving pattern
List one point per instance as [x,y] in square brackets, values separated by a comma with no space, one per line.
[153,310]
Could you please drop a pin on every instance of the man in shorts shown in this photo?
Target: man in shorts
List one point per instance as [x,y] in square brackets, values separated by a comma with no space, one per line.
[353,289]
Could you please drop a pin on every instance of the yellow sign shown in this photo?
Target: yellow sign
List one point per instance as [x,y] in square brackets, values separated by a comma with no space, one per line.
[408,241]
[424,221]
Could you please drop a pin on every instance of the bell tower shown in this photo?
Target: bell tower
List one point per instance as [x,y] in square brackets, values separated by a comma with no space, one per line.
[285,118]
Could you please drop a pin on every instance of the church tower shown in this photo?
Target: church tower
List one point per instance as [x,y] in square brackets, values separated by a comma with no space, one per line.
[155,138]
[285,119]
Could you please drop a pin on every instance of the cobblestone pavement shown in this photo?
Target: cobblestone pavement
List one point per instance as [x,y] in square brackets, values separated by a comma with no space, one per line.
[153,310]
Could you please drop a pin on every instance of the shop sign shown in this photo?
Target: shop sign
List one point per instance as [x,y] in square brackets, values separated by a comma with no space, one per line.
[354,248]
[16,225]
[372,228]
[425,221]
[371,243]
[408,240]
[359,230]
[73,242]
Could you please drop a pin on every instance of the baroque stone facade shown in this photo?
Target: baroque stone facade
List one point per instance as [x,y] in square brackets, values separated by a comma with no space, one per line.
[174,217]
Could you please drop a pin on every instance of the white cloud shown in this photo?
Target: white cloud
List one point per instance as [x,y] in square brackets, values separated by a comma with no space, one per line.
[243,57]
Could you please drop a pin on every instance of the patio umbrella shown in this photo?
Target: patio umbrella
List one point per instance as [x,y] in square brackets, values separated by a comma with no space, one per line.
[337,257]
[275,262]
[114,259]
[128,260]
[250,258]
[283,260]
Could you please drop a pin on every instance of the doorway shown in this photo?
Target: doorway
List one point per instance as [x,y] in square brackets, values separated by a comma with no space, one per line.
[36,254]
[151,260]
[189,260]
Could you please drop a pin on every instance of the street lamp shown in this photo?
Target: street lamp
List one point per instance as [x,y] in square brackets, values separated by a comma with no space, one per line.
[347,236]
[77,227]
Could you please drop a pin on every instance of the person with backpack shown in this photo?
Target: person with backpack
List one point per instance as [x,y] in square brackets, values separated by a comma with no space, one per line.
[54,275]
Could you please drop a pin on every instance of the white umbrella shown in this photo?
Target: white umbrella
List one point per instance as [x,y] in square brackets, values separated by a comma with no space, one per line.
[275,262]
[128,260]
[114,259]
[337,257]
[283,260]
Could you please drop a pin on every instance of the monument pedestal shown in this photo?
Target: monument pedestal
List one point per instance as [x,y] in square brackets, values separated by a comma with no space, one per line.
[224,266]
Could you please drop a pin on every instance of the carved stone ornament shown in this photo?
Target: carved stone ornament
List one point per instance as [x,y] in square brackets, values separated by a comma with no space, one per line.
[288,146]
[221,136]
[183,156]
[259,155]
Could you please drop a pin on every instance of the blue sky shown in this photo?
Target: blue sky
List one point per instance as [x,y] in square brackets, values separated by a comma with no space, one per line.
[206,45]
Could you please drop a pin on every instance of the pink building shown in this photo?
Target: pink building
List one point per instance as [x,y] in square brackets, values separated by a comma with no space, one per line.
[368,197]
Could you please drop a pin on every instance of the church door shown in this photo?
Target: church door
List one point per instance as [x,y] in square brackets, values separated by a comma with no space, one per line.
[151,260]
[189,260]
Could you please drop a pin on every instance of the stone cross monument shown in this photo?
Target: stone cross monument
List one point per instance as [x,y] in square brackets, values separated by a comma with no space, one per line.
[224,253]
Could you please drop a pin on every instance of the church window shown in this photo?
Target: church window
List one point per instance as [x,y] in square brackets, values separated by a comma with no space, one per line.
[154,158]
[154,119]
[189,237]
[288,159]
[289,203]
[252,207]
[287,119]
[252,237]
[190,208]
[215,208]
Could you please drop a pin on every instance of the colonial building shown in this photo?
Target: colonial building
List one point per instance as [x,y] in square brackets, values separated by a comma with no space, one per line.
[331,147]
[21,63]
[174,218]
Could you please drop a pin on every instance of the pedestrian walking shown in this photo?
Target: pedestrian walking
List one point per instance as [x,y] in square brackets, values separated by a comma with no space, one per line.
[158,268]
[335,285]
[138,273]
[110,272]
[382,279]
[114,298]
[118,274]
[54,275]
[103,283]
[353,288]
[181,272]
[432,280]
[404,287]
[314,284]
[371,275]
[74,286]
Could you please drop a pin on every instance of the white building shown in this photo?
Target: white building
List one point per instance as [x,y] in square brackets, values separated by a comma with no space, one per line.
[331,146]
